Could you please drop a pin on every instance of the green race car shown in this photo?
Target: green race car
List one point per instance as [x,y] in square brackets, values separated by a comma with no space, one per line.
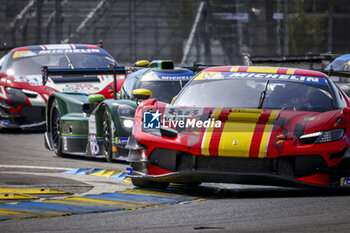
[89,125]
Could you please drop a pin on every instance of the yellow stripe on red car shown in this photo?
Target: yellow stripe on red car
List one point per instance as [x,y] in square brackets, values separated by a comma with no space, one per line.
[200,76]
[238,132]
[209,133]
[267,134]
[234,68]
[244,133]
[262,69]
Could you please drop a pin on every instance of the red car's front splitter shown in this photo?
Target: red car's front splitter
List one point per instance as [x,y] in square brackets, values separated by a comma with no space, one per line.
[236,178]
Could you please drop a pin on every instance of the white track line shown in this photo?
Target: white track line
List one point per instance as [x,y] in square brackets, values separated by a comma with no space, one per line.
[36,167]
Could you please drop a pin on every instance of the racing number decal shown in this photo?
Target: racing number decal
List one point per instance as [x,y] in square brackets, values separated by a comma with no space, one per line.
[94,147]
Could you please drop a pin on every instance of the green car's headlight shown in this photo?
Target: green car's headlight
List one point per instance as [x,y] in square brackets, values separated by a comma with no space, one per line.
[127,123]
[126,116]
[322,137]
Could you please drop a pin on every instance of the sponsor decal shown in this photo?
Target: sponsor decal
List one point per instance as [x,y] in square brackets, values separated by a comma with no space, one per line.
[121,140]
[5,123]
[175,78]
[20,54]
[62,51]
[154,76]
[300,78]
[288,77]
[345,181]
[92,124]
[129,171]
[82,87]
[176,114]
[57,46]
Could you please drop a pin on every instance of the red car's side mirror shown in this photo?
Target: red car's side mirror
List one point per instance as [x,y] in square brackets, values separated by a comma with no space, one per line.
[346,111]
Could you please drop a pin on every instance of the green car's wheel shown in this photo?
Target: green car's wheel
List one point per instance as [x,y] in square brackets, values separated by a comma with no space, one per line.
[149,184]
[55,128]
[107,136]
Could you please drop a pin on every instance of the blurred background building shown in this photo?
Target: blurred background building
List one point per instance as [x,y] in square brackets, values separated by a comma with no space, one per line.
[210,32]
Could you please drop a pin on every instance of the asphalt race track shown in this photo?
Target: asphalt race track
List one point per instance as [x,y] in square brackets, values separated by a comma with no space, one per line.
[96,197]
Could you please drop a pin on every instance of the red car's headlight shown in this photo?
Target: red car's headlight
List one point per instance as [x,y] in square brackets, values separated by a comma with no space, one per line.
[322,137]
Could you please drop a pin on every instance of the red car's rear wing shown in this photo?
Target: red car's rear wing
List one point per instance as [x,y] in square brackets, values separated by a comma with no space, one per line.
[112,70]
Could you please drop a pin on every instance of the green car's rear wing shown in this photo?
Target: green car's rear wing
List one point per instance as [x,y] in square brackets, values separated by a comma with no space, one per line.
[307,59]
[343,74]
[112,70]
[197,67]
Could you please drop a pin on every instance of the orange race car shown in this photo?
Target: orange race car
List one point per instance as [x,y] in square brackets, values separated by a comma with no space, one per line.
[247,125]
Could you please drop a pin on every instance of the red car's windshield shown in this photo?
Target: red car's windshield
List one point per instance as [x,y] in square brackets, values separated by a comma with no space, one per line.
[256,93]
[32,64]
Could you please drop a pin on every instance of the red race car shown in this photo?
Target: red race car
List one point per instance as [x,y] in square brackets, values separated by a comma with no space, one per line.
[245,125]
[23,92]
